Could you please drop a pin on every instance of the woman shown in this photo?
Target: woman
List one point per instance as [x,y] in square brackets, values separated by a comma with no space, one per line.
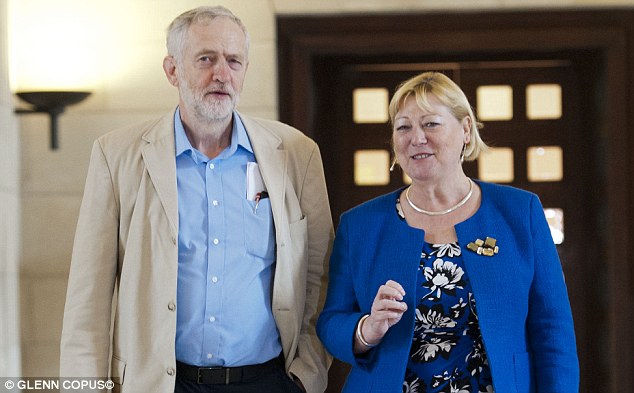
[450,284]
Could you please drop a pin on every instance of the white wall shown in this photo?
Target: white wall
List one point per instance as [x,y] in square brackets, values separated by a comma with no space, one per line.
[121,46]
[127,51]
[9,218]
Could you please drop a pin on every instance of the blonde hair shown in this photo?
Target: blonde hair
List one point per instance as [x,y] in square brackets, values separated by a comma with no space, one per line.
[450,95]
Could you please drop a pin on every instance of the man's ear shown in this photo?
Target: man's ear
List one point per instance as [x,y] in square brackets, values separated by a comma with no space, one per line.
[169,66]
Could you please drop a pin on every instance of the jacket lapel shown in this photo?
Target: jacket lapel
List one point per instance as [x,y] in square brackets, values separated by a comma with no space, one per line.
[272,161]
[160,161]
[159,155]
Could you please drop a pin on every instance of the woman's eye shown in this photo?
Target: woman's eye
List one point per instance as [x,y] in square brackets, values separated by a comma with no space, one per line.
[431,124]
[402,127]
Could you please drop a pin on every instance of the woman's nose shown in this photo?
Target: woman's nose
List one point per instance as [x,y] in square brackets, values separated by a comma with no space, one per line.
[419,137]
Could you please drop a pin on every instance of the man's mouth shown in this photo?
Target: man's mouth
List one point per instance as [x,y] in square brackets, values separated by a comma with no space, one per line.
[218,93]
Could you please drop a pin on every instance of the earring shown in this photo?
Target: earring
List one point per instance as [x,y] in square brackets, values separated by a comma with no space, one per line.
[393,164]
[464,148]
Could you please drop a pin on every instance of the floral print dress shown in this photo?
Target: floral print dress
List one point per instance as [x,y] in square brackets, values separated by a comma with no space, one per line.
[447,353]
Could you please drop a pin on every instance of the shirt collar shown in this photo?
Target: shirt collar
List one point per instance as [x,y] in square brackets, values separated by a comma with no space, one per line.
[239,138]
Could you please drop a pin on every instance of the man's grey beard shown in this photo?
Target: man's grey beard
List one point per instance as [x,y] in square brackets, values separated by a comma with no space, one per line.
[208,110]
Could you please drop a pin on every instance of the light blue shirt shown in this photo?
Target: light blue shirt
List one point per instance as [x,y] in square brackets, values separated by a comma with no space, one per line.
[226,254]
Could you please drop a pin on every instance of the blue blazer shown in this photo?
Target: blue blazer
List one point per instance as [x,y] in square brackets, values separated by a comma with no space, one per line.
[522,302]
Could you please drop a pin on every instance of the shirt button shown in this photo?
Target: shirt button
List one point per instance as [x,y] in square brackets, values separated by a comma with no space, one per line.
[171,306]
[212,166]
[170,371]
[212,319]
[214,279]
[215,203]
[209,356]
[216,241]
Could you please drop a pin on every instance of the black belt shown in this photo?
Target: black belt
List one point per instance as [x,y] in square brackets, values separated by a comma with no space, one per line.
[224,375]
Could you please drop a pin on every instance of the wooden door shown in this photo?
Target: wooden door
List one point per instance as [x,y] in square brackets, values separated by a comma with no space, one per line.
[539,143]
[597,196]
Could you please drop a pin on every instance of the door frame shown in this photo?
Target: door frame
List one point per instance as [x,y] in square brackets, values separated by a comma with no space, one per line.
[303,40]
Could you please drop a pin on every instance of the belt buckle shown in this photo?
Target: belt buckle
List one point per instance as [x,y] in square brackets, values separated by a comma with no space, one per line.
[199,377]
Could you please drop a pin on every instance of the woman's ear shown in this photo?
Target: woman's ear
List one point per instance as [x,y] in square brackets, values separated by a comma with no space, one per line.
[466,128]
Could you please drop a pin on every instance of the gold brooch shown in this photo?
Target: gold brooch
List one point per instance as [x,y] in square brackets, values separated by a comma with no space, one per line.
[486,247]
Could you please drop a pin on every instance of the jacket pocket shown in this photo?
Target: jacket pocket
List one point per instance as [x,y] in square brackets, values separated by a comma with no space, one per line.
[523,372]
[299,238]
[118,371]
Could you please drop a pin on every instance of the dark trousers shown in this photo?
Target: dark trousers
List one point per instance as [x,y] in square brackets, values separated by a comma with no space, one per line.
[272,381]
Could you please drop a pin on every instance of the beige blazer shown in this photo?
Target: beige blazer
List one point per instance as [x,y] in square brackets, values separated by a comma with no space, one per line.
[120,314]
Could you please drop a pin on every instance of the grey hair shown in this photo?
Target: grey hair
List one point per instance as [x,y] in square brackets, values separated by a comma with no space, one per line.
[177,30]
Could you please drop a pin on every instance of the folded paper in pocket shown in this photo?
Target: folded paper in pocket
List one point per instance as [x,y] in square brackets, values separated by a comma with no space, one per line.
[255,184]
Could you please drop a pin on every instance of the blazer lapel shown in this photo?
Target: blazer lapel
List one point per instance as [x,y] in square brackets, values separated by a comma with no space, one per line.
[272,161]
[159,155]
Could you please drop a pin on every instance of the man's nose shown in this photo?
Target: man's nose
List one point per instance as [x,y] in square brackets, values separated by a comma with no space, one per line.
[221,72]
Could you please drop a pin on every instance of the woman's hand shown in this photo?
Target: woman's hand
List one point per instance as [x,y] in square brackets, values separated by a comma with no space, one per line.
[387,309]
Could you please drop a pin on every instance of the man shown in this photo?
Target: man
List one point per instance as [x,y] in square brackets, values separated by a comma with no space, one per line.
[211,228]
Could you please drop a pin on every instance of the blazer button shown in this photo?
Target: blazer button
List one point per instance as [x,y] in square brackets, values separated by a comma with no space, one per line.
[170,371]
[171,306]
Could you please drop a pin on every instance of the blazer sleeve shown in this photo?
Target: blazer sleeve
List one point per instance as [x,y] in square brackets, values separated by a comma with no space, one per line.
[337,323]
[311,364]
[550,324]
[85,341]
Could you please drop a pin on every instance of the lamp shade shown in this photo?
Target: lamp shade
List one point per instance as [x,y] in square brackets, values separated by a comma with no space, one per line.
[51,102]
[48,101]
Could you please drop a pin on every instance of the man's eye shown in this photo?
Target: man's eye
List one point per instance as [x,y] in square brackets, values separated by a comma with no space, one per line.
[206,59]
[235,64]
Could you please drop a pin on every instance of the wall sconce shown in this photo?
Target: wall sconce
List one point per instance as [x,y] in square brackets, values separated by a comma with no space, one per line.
[51,102]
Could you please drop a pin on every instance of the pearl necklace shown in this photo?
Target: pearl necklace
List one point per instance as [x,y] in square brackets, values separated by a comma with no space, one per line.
[442,212]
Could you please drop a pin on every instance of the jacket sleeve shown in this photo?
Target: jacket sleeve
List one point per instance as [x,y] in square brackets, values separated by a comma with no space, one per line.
[337,323]
[550,324]
[312,362]
[85,341]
